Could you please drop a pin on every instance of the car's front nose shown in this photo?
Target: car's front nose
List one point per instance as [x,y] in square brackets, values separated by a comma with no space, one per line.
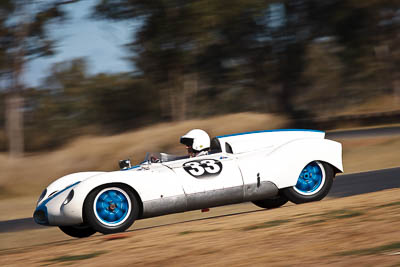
[50,210]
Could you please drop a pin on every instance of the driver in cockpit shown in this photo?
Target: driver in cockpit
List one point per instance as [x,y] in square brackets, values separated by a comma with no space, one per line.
[197,142]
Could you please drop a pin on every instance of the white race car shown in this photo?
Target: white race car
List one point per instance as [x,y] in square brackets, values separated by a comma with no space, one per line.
[265,167]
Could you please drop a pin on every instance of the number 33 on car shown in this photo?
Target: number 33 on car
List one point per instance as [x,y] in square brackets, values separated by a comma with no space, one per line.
[203,168]
[267,168]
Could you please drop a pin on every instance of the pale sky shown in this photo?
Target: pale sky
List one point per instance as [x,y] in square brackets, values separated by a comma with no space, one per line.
[100,41]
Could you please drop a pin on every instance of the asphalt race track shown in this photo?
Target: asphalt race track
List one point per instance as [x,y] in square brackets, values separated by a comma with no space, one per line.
[343,186]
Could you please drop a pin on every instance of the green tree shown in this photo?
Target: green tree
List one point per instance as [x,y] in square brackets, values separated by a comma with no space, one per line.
[192,51]
[237,55]
[23,36]
[71,102]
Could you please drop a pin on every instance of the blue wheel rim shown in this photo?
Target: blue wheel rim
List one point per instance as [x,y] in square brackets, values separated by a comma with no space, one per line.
[112,207]
[310,178]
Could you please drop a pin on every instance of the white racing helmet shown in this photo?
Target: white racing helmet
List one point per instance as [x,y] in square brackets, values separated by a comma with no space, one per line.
[197,139]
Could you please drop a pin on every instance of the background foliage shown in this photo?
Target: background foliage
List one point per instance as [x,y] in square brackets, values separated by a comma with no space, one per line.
[301,58]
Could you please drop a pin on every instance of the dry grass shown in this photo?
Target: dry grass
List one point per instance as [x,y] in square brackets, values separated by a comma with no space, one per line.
[30,175]
[366,154]
[360,230]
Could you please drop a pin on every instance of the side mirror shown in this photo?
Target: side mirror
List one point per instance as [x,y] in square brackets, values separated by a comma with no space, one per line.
[125,164]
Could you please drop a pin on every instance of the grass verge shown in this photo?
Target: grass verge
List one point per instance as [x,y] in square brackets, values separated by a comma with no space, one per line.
[397,203]
[265,225]
[370,251]
[194,232]
[68,258]
[368,240]
[342,214]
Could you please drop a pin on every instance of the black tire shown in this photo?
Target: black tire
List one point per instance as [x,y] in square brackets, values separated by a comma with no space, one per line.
[271,203]
[296,196]
[78,231]
[93,217]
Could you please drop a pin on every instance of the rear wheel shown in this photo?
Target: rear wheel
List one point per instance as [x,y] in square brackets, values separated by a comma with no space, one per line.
[271,203]
[313,184]
[78,231]
[111,209]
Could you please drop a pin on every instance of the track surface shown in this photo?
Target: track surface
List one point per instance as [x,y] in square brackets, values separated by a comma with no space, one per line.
[343,186]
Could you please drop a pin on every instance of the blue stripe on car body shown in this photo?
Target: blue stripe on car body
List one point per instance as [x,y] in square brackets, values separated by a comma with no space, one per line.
[269,131]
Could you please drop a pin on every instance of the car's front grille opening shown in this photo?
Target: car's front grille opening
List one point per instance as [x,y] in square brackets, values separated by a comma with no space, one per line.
[40,217]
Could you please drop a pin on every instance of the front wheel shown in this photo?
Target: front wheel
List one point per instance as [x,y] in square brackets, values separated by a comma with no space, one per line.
[78,230]
[111,209]
[313,184]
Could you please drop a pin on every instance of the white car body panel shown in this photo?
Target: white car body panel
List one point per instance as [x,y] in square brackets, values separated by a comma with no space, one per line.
[265,140]
[250,166]
[230,175]
[296,154]
[67,180]
[156,183]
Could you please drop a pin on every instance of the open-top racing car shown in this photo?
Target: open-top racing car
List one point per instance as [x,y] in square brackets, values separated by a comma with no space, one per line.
[268,168]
